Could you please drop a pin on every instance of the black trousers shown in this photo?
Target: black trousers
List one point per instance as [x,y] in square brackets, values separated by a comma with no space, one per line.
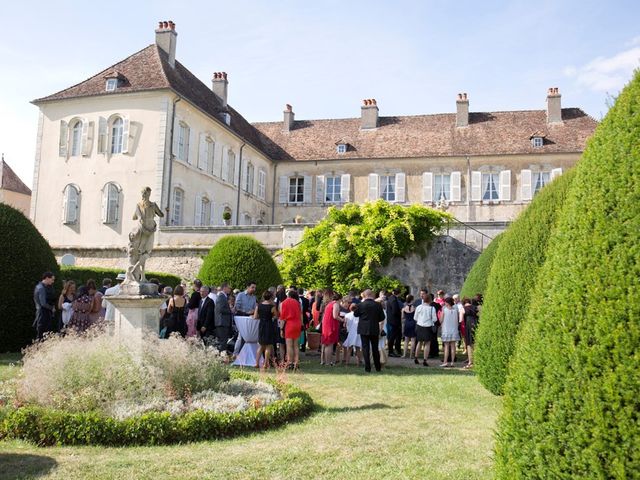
[370,346]
[394,340]
[223,334]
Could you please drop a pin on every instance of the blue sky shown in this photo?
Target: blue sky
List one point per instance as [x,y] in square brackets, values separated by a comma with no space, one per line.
[324,57]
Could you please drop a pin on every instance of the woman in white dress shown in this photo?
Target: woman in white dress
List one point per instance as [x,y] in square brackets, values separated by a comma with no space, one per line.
[450,331]
[353,339]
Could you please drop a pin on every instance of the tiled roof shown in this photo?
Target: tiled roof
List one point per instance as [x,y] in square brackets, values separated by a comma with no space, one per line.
[149,69]
[10,181]
[492,133]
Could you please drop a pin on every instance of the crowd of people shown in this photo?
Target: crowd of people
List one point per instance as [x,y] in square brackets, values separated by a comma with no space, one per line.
[364,326]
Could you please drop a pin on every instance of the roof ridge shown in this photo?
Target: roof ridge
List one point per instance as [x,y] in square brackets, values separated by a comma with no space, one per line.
[96,75]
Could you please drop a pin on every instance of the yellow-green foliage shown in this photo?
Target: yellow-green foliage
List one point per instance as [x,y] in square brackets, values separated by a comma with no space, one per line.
[346,249]
[24,255]
[476,281]
[571,406]
[513,274]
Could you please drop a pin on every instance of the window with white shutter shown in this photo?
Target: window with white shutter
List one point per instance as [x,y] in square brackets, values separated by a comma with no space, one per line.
[125,134]
[231,173]
[320,189]
[87,137]
[110,203]
[400,187]
[296,190]
[70,204]
[456,187]
[442,187]
[63,145]
[225,165]
[306,191]
[203,160]
[476,186]
[388,188]
[374,186]
[183,133]
[505,185]
[103,135]
[76,138]
[283,189]
[556,172]
[525,185]
[427,187]
[197,217]
[178,199]
[211,152]
[345,188]
[490,187]
[117,127]
[333,189]
[262,183]
[249,178]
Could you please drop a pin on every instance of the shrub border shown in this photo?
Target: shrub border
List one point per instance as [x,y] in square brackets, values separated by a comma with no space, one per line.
[48,427]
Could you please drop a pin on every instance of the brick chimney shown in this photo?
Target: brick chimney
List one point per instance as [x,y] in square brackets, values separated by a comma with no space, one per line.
[289,118]
[220,87]
[166,39]
[554,107]
[462,110]
[369,114]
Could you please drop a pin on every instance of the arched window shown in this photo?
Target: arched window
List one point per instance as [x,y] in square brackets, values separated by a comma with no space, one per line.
[111,203]
[178,202]
[76,138]
[70,204]
[117,128]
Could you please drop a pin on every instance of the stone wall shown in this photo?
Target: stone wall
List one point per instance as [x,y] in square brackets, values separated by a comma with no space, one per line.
[445,266]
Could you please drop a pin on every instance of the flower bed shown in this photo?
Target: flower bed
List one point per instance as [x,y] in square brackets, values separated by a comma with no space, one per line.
[46,426]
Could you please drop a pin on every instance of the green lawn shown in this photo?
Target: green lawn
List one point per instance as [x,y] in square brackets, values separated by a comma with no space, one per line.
[403,423]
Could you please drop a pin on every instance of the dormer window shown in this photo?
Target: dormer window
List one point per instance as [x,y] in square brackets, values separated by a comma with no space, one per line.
[537,139]
[112,84]
[341,148]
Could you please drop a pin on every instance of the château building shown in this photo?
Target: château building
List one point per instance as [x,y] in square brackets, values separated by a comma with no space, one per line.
[148,121]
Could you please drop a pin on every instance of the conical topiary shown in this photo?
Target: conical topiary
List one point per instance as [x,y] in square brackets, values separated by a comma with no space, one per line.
[514,270]
[24,256]
[476,281]
[571,407]
[236,259]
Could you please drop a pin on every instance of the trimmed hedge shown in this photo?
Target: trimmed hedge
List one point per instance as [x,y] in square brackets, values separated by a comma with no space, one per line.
[571,406]
[47,427]
[237,259]
[25,255]
[476,281]
[81,274]
[514,270]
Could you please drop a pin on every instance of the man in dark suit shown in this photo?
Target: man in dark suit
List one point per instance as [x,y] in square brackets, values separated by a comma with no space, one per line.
[223,317]
[371,317]
[206,315]
[306,317]
[394,321]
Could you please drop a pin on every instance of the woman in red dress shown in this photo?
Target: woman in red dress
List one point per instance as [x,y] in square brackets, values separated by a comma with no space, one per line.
[330,327]
[291,315]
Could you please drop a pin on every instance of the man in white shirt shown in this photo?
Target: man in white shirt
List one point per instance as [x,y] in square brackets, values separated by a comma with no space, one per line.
[110,312]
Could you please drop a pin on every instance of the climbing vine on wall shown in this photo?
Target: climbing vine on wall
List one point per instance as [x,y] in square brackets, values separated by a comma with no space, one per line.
[347,248]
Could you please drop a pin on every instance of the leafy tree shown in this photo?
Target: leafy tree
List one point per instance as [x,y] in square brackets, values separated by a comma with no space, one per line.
[476,281]
[514,270]
[25,255]
[346,249]
[237,259]
[571,406]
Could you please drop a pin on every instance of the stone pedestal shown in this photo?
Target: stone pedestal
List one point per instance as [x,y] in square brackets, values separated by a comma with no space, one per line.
[137,316]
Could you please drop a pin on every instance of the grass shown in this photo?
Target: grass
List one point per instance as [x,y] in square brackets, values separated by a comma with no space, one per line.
[402,423]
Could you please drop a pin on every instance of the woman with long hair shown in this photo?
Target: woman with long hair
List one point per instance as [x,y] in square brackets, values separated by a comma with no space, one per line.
[450,331]
[267,314]
[65,302]
[330,327]
[175,308]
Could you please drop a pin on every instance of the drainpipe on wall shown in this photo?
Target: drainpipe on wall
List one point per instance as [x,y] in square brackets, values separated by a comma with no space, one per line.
[273,194]
[171,157]
[468,189]
[239,185]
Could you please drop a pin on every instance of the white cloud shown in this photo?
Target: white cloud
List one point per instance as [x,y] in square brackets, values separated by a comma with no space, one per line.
[607,74]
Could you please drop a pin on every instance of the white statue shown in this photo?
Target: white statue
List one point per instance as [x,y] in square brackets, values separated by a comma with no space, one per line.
[141,237]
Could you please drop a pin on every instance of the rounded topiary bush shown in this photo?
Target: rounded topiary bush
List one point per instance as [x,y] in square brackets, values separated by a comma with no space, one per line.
[24,256]
[476,281]
[237,259]
[514,270]
[571,406]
